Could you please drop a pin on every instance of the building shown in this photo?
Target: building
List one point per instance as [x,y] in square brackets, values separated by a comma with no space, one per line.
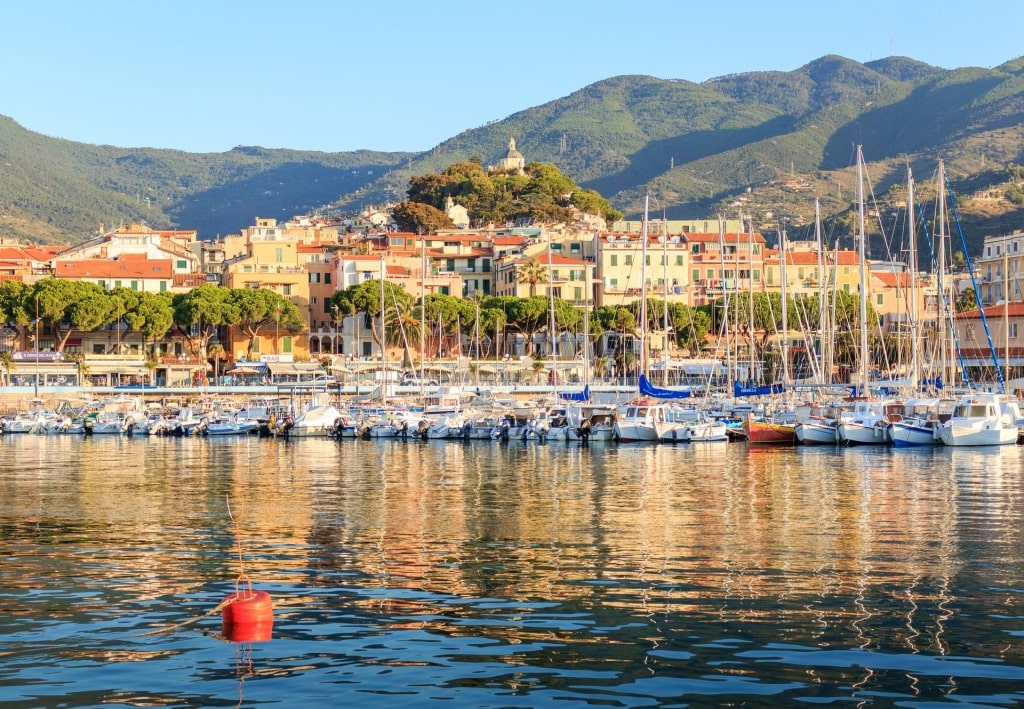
[513,160]
[999,269]
[625,267]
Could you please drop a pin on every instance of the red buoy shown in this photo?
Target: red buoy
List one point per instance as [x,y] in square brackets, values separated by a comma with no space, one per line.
[248,616]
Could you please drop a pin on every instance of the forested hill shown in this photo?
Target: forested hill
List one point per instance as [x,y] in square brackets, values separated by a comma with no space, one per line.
[54,190]
[775,139]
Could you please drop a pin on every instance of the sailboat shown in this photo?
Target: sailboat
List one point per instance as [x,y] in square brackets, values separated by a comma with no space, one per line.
[779,427]
[867,421]
[648,418]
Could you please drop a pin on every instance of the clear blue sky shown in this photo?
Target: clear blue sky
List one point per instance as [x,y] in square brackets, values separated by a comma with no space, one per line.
[333,75]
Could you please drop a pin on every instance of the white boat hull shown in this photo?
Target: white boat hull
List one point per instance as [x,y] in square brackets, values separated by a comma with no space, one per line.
[970,436]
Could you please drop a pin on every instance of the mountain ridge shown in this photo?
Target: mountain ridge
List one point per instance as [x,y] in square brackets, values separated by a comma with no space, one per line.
[697,148]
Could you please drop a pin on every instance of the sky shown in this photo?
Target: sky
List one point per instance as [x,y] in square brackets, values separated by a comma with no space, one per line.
[405,75]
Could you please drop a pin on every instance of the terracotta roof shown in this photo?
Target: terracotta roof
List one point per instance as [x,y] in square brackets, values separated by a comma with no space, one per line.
[810,258]
[994,311]
[105,268]
[558,260]
[728,238]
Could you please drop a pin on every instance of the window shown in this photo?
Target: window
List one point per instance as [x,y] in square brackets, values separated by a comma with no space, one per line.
[286,344]
[181,264]
[628,260]
[163,286]
[278,255]
[614,260]
[709,274]
[117,284]
[286,289]
[880,299]
[679,259]
[1013,330]
[312,300]
[134,285]
[577,294]
[647,260]
[327,278]
[695,275]
[613,283]
[695,249]
[485,265]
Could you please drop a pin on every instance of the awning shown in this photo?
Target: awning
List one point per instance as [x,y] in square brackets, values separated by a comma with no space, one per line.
[278,369]
[248,368]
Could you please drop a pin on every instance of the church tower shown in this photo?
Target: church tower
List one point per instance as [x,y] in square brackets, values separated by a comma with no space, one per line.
[513,160]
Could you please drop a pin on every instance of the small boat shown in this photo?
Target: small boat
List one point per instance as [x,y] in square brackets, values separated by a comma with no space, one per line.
[868,421]
[768,430]
[920,423]
[982,419]
[638,421]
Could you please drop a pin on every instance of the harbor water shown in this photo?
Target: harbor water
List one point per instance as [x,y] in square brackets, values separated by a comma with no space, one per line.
[489,574]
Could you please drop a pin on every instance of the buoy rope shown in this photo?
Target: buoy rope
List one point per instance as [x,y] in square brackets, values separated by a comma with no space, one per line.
[242,577]
[171,628]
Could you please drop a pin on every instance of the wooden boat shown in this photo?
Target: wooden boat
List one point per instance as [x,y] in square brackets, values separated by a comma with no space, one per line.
[768,431]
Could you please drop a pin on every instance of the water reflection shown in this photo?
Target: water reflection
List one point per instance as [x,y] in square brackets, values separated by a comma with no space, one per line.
[513,574]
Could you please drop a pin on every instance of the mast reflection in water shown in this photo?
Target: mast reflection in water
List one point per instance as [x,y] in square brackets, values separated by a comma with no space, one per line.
[511,574]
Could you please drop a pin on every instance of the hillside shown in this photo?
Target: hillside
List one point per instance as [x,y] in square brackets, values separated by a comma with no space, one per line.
[701,148]
[54,190]
[761,143]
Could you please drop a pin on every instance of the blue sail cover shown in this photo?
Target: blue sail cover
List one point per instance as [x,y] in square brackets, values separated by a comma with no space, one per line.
[646,389]
[740,390]
[576,395]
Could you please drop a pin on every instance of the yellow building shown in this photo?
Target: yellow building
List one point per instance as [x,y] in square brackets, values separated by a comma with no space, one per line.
[625,267]
[269,256]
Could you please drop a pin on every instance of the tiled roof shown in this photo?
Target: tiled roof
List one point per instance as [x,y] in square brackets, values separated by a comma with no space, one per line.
[105,268]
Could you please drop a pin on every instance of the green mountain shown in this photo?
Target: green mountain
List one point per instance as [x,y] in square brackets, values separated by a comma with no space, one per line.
[761,143]
[54,190]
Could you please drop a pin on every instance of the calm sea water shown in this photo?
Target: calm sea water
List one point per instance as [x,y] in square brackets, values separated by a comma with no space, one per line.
[510,575]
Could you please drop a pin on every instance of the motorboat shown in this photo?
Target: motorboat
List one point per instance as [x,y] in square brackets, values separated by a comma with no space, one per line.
[982,419]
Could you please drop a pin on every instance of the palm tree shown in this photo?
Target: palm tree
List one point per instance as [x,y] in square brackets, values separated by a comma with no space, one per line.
[217,354]
[531,272]
[6,358]
[403,326]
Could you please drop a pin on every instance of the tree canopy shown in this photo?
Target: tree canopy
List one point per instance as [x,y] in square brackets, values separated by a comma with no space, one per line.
[543,193]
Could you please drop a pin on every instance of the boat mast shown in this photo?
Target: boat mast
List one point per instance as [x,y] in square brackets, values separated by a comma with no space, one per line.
[863,276]
[383,336]
[725,304]
[820,348]
[750,295]
[1006,311]
[785,307]
[643,287]
[664,278]
[945,308]
[912,311]
[423,308]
